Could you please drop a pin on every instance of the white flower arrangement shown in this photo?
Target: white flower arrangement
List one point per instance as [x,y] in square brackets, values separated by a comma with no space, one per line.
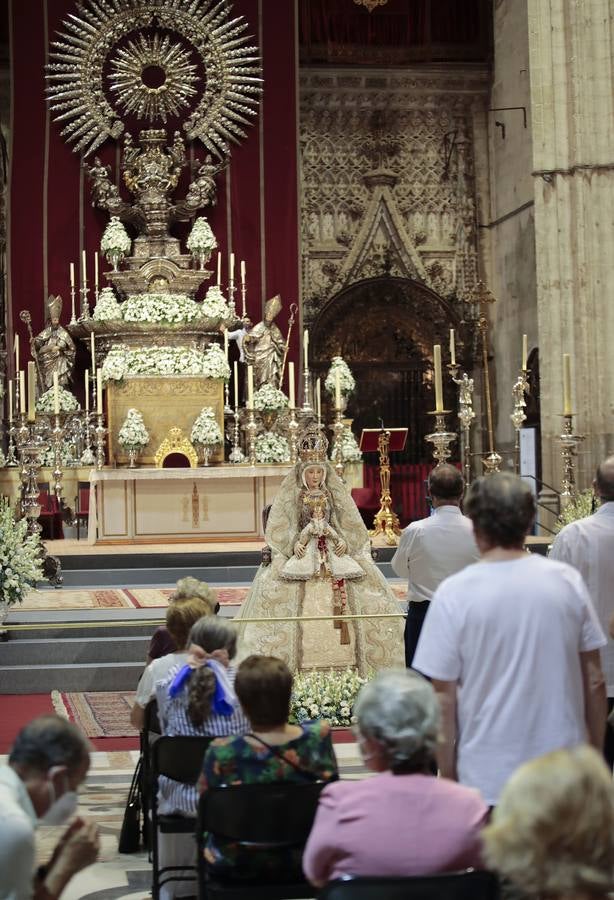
[346,379]
[325,695]
[215,305]
[46,402]
[205,429]
[107,308]
[272,448]
[215,364]
[115,238]
[20,556]
[133,435]
[350,451]
[201,239]
[2,458]
[270,399]
[115,365]
[579,507]
[171,309]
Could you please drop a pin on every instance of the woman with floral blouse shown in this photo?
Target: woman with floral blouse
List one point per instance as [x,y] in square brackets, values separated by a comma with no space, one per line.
[273,751]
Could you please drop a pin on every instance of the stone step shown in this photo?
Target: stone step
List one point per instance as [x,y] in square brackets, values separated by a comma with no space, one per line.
[110,676]
[135,577]
[74,650]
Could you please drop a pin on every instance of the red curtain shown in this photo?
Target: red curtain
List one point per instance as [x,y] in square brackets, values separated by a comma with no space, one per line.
[51,217]
[407,486]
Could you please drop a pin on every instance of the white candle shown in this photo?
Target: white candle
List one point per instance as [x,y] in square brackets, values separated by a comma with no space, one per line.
[56,394]
[226,343]
[10,400]
[87,390]
[99,392]
[243,273]
[452,348]
[291,394]
[96,271]
[566,384]
[524,352]
[93,352]
[318,401]
[231,274]
[438,381]
[250,387]
[22,392]
[72,275]
[84,265]
[219,269]
[337,389]
[16,349]
[31,391]
[236,383]
[305,349]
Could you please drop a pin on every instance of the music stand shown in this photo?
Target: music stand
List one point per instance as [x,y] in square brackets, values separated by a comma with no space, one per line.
[383,441]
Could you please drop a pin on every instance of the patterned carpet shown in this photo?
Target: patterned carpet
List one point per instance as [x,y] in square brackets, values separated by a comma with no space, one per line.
[97,713]
[136,598]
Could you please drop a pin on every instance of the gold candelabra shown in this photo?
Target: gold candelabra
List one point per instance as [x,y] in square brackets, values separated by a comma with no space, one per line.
[569,441]
[520,388]
[440,438]
[386,521]
[57,435]
[338,428]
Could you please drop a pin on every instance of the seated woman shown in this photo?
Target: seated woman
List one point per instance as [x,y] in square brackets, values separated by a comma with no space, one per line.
[196,699]
[552,833]
[273,751]
[187,589]
[180,616]
[403,821]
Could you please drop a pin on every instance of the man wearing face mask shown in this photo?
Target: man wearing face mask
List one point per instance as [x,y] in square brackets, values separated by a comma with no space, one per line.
[49,760]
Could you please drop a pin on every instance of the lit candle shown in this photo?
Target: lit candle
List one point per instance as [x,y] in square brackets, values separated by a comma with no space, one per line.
[56,394]
[438,381]
[250,387]
[96,271]
[524,352]
[93,352]
[219,269]
[452,348]
[31,391]
[10,400]
[16,349]
[231,274]
[337,389]
[72,275]
[243,273]
[236,384]
[291,394]
[84,266]
[99,392]
[305,349]
[318,401]
[22,392]
[566,384]
[226,344]
[87,390]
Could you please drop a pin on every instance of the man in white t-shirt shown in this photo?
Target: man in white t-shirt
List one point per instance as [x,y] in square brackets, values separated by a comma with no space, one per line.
[588,545]
[433,549]
[512,645]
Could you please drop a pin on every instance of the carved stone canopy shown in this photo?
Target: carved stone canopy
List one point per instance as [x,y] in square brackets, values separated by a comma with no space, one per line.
[176,443]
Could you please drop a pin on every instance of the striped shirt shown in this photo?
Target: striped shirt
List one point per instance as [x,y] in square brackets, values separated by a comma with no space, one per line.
[174,797]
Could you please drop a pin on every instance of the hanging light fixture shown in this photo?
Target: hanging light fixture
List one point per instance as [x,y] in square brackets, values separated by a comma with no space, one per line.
[371,4]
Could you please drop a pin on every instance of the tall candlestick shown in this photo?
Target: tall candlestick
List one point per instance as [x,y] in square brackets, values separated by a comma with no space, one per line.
[99,392]
[235,370]
[84,266]
[96,272]
[242,272]
[10,400]
[72,275]
[56,394]
[226,343]
[337,389]
[438,381]
[22,392]
[452,348]
[87,390]
[306,349]
[219,269]
[524,352]
[318,401]
[93,352]
[291,394]
[16,349]
[566,384]
[31,391]
[250,387]
[231,273]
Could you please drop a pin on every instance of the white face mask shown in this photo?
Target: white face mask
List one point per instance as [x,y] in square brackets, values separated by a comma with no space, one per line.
[60,808]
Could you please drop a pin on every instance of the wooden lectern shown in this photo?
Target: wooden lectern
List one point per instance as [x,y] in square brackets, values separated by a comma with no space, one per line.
[383,441]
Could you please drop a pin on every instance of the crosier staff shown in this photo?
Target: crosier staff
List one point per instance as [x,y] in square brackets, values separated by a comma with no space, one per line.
[291,320]
[25,316]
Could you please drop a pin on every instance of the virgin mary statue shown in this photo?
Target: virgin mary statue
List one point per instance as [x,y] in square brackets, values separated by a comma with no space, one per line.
[321,565]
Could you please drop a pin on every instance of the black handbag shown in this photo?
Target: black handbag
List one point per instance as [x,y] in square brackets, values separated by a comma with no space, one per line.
[130,834]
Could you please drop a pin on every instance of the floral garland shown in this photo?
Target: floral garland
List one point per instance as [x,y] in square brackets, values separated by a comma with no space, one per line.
[325,695]
[215,364]
[215,305]
[270,399]
[205,429]
[107,308]
[272,448]
[346,379]
[201,239]
[115,238]
[46,402]
[133,435]
[20,556]
[156,360]
[171,309]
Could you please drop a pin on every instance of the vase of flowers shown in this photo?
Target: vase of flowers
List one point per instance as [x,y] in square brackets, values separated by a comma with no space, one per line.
[201,242]
[347,384]
[20,559]
[272,449]
[269,402]
[206,433]
[133,436]
[115,242]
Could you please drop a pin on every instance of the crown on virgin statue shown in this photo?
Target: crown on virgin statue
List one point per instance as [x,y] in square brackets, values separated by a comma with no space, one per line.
[312,446]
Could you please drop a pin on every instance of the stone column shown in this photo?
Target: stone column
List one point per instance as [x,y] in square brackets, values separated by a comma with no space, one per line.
[572,106]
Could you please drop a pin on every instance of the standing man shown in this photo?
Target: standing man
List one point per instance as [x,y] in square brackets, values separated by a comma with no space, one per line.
[48,762]
[588,545]
[512,645]
[433,549]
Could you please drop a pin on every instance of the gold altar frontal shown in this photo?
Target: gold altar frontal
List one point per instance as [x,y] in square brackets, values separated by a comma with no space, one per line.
[164,401]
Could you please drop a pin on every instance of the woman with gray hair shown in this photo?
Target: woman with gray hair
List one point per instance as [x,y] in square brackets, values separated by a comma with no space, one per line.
[403,821]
